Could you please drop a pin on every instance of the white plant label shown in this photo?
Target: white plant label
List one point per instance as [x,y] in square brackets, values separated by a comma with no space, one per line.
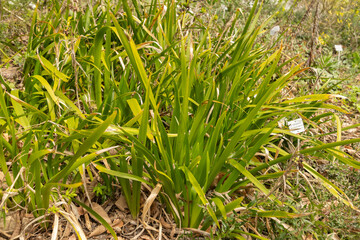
[296,126]
[338,48]
[275,30]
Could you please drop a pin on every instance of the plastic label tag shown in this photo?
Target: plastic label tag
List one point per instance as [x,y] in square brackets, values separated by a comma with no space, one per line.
[296,126]
[275,30]
[338,48]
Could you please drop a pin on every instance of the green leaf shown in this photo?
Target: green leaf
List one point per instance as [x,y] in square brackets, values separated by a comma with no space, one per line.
[200,193]
[52,70]
[122,175]
[253,179]
[48,88]
[333,189]
[97,133]
[23,120]
[98,217]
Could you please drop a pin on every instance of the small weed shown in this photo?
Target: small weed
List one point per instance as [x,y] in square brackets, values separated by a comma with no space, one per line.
[102,192]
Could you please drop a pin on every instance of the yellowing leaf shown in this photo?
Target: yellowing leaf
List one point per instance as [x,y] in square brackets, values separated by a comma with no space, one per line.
[47,87]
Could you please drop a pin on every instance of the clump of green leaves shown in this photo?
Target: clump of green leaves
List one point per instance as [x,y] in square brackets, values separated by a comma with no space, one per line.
[188,108]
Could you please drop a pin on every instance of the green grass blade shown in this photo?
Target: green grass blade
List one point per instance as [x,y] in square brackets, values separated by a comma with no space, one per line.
[97,133]
[333,189]
[253,179]
[122,175]
[200,194]
[320,147]
[47,87]
[98,217]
